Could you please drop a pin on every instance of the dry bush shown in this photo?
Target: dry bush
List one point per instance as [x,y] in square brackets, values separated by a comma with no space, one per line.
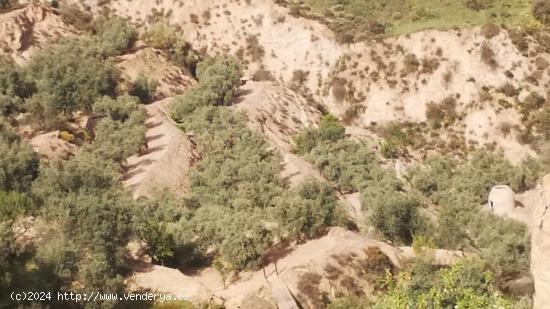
[339,88]
[541,11]
[541,63]
[505,128]
[532,102]
[519,40]
[485,96]
[411,64]
[332,272]
[262,75]
[352,113]
[308,285]
[477,5]
[509,90]
[488,56]
[429,65]
[490,30]
[254,49]
[299,77]
[443,113]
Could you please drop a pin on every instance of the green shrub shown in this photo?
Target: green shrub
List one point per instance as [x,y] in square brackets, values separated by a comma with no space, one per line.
[13,89]
[183,55]
[70,76]
[115,35]
[13,81]
[308,210]
[347,164]
[116,140]
[155,222]
[459,190]
[240,203]
[10,105]
[144,88]
[220,78]
[393,214]
[18,165]
[466,284]
[118,110]
[330,130]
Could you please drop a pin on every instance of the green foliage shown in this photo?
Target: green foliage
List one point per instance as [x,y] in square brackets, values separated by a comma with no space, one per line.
[459,190]
[350,302]
[144,88]
[183,55]
[359,20]
[330,130]
[240,203]
[308,210]
[120,109]
[398,137]
[464,285]
[69,76]
[347,164]
[13,89]
[155,222]
[91,211]
[115,35]
[475,177]
[116,140]
[18,164]
[220,78]
[7,250]
[395,215]
[12,81]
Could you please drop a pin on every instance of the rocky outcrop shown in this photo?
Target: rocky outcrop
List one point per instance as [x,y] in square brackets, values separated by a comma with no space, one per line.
[540,246]
[32,27]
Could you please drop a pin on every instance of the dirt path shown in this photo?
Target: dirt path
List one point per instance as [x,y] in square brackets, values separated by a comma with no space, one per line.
[168,157]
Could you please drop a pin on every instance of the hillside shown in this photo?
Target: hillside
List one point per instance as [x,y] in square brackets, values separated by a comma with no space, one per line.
[275,154]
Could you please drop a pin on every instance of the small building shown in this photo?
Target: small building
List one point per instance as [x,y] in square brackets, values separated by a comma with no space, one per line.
[501,200]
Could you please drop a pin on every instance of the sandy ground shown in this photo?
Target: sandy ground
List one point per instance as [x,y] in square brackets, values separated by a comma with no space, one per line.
[150,62]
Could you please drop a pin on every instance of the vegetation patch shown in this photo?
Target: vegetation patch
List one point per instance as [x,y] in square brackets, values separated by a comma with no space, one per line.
[357,20]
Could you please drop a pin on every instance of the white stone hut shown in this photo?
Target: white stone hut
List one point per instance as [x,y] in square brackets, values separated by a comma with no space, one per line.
[501,200]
